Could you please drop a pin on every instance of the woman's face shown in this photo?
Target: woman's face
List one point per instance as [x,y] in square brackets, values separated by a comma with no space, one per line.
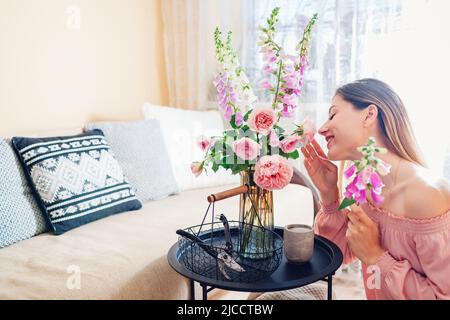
[344,130]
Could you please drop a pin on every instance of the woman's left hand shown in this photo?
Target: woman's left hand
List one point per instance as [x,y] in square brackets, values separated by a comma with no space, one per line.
[363,236]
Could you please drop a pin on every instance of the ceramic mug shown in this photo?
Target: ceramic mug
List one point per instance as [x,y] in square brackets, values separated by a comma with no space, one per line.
[298,240]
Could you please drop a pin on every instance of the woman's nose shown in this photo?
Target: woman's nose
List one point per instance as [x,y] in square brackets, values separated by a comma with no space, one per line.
[323,130]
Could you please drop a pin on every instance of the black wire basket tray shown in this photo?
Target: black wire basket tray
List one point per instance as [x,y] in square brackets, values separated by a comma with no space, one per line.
[255,265]
[225,250]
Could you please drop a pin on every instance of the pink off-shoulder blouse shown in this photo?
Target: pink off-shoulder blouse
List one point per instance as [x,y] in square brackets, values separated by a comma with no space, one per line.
[416,263]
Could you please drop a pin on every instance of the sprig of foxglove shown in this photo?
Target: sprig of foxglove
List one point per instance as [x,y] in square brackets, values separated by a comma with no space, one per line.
[235,94]
[365,176]
[284,72]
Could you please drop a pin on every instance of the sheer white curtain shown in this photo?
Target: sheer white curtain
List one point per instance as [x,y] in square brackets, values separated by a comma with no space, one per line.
[189,47]
[401,42]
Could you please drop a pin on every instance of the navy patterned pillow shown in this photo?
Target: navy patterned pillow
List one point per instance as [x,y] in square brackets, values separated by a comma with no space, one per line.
[75,180]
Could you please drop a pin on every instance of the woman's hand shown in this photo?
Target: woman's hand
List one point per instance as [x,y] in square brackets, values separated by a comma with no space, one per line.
[322,171]
[363,236]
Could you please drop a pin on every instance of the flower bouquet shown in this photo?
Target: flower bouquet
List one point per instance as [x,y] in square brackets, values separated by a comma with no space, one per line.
[365,176]
[256,146]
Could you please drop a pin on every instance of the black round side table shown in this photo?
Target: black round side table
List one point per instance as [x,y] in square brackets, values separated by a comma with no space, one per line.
[326,259]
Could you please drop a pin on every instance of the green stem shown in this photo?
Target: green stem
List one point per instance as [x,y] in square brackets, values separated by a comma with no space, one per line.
[278,83]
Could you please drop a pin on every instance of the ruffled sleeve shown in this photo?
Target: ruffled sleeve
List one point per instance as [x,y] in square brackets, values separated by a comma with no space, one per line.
[332,224]
[400,281]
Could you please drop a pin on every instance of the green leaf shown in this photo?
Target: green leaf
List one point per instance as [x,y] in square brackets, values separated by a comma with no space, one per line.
[225,165]
[245,128]
[215,167]
[218,145]
[346,203]
[294,155]
[233,122]
[238,168]
[280,129]
[247,114]
[264,149]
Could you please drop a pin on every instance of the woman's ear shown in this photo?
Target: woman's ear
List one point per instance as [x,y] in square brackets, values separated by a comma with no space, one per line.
[371,115]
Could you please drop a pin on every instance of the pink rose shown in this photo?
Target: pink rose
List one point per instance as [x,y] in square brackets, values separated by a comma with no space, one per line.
[309,131]
[246,148]
[273,172]
[290,144]
[204,143]
[274,141]
[262,120]
[197,168]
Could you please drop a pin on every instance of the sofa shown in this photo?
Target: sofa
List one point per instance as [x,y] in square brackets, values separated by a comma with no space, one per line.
[123,256]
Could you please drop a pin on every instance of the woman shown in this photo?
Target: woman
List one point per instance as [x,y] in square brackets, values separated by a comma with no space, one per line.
[405,245]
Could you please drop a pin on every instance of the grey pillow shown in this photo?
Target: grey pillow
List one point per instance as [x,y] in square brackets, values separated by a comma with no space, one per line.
[139,148]
[20,216]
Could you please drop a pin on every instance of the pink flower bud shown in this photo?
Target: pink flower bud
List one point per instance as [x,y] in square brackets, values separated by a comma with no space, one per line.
[197,168]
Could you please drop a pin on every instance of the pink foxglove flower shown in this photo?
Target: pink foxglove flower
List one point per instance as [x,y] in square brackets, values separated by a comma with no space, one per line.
[376,196]
[291,82]
[204,143]
[234,91]
[246,148]
[289,99]
[266,84]
[383,168]
[349,171]
[262,120]
[267,68]
[350,190]
[288,111]
[365,178]
[273,172]
[239,119]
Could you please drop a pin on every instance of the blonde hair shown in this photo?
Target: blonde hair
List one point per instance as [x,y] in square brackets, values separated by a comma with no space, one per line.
[392,117]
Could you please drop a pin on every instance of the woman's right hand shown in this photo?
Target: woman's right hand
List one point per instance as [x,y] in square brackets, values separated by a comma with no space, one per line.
[323,173]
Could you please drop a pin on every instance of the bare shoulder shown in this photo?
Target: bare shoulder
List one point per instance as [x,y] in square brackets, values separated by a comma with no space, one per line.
[426,196]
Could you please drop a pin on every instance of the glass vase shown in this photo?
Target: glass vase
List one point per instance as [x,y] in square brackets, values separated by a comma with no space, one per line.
[256,219]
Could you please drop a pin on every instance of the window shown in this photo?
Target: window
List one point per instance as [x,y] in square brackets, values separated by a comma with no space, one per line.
[400,42]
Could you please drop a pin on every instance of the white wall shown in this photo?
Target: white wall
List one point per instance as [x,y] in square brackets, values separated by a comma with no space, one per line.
[53,75]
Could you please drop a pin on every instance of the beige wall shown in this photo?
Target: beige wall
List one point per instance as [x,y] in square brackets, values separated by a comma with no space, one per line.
[52,77]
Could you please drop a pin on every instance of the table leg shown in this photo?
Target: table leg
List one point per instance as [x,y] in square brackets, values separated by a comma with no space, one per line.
[192,289]
[204,291]
[330,287]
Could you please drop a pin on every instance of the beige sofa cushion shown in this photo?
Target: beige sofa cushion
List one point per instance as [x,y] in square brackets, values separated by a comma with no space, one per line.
[124,256]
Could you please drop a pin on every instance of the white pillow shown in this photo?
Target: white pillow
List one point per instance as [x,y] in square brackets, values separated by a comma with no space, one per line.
[181,129]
